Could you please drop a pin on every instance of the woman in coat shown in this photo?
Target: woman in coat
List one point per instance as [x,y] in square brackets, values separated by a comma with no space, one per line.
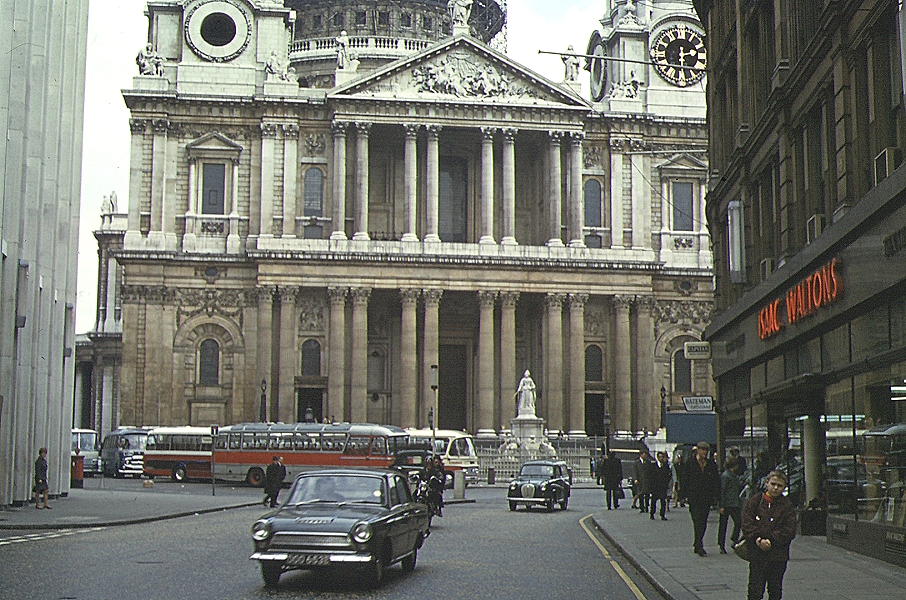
[769,525]
[731,485]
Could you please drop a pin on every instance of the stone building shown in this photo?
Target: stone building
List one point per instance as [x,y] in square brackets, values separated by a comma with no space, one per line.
[42,82]
[807,215]
[317,228]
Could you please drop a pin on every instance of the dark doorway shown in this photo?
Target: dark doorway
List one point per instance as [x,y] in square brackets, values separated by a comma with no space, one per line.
[310,398]
[452,387]
[594,414]
[452,197]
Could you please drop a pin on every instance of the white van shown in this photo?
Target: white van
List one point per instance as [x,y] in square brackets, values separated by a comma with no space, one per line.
[88,444]
[456,449]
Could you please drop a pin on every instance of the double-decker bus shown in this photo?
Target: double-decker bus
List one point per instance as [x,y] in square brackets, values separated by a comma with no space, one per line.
[242,452]
[179,453]
[456,449]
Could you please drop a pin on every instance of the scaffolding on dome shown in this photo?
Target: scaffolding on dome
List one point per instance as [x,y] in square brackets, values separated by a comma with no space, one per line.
[488,22]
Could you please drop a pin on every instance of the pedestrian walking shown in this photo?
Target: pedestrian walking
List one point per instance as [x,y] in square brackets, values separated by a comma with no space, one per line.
[599,469]
[643,480]
[769,524]
[678,466]
[661,479]
[743,463]
[613,480]
[702,485]
[273,481]
[731,485]
[41,488]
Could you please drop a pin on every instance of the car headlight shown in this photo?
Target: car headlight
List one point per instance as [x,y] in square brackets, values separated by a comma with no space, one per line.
[362,532]
[261,530]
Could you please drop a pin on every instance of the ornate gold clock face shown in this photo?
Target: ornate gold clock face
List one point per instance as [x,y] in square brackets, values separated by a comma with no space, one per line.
[679,55]
[218,30]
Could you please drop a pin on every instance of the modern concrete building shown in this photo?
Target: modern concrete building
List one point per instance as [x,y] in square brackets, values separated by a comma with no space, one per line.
[42,81]
[806,210]
[316,220]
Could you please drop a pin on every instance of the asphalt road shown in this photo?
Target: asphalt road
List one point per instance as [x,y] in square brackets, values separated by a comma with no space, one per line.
[477,550]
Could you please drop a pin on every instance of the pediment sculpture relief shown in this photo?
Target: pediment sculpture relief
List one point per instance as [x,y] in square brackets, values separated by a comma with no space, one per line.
[459,75]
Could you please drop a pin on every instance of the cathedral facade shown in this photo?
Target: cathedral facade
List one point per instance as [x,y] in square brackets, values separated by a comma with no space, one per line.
[367,211]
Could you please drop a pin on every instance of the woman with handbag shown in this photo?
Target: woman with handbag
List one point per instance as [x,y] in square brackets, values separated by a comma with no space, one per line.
[769,526]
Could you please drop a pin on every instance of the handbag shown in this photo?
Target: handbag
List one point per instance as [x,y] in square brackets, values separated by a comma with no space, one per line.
[743,549]
[621,495]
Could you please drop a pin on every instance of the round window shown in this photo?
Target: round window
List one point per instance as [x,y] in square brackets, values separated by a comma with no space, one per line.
[218,29]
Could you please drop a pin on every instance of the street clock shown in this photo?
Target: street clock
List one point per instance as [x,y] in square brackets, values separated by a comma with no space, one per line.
[597,67]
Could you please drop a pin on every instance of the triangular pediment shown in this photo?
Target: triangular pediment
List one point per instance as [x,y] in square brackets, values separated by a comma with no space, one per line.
[213,142]
[457,70]
[683,162]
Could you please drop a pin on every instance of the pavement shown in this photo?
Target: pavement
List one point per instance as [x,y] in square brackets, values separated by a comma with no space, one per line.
[660,550]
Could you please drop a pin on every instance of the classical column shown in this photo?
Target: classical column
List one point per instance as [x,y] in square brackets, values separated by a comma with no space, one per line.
[616,193]
[641,208]
[336,361]
[168,199]
[284,400]
[159,129]
[431,187]
[362,131]
[410,160]
[554,189]
[509,187]
[576,405]
[431,351]
[485,413]
[290,176]
[487,186]
[553,351]
[408,397]
[358,401]
[508,377]
[265,349]
[648,404]
[576,212]
[622,396]
[233,241]
[134,221]
[268,141]
[338,128]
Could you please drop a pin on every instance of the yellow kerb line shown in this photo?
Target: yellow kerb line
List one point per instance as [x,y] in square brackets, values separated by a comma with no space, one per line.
[616,567]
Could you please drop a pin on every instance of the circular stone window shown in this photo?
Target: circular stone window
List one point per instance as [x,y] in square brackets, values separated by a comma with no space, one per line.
[218,30]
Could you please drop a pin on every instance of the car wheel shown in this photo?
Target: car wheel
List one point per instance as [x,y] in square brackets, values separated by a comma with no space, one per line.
[550,503]
[270,573]
[564,503]
[179,473]
[255,477]
[512,505]
[408,563]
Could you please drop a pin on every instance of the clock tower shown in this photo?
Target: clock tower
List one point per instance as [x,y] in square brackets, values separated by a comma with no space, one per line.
[653,59]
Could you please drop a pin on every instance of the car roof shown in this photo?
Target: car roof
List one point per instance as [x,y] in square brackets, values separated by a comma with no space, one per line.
[372,472]
[541,461]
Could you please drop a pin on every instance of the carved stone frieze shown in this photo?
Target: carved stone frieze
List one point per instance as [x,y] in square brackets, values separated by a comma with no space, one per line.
[315,144]
[458,74]
[225,303]
[693,312]
[311,313]
[593,156]
[595,321]
[139,294]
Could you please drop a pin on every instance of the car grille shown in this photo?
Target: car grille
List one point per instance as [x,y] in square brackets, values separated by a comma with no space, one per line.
[291,540]
[528,490]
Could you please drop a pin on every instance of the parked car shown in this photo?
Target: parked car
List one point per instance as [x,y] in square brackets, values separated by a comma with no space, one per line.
[363,519]
[540,482]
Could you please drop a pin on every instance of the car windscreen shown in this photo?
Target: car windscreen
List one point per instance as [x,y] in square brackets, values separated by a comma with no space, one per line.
[536,471]
[338,488]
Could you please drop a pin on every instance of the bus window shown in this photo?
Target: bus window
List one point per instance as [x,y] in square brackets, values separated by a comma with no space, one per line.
[379,446]
[332,442]
[357,445]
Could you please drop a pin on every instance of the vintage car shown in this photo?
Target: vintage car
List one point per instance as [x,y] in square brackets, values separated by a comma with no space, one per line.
[540,482]
[346,518]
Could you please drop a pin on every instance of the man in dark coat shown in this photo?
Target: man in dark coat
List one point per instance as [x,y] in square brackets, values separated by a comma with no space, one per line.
[273,480]
[613,479]
[702,484]
[661,479]
[643,469]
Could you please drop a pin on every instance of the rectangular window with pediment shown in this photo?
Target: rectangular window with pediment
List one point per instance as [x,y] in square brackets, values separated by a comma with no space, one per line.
[682,200]
[213,187]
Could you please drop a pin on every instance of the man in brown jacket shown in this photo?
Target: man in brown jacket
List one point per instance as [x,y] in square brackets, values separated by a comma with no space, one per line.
[769,525]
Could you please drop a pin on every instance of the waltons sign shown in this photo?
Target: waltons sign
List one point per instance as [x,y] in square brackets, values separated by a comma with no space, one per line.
[821,288]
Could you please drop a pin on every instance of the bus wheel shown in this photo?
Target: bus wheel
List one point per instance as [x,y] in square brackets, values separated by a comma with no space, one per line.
[255,477]
[179,473]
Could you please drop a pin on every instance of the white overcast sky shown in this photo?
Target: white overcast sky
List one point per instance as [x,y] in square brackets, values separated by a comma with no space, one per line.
[117,29]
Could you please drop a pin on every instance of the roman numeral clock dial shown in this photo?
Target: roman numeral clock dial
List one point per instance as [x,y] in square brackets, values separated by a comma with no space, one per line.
[679,55]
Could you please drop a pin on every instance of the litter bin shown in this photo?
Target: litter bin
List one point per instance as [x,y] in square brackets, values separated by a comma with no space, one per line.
[77,471]
[492,476]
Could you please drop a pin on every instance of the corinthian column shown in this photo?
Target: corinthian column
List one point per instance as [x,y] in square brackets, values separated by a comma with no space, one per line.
[408,363]
[361,179]
[554,194]
[576,212]
[509,187]
[431,347]
[508,376]
[410,160]
[576,407]
[290,176]
[268,143]
[487,186]
[358,401]
[431,184]
[485,413]
[285,399]
[336,368]
[553,350]
[265,348]
[622,396]
[339,180]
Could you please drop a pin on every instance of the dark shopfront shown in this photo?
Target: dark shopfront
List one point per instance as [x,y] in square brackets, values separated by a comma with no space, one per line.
[811,366]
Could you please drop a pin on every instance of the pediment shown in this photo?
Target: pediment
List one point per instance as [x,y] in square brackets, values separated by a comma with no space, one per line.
[683,162]
[460,69]
[213,143]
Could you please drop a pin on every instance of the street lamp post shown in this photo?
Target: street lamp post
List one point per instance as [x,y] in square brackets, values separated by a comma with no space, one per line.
[663,406]
[606,422]
[263,415]
[433,417]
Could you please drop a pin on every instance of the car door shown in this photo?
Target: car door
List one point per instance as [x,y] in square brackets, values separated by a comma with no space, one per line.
[400,522]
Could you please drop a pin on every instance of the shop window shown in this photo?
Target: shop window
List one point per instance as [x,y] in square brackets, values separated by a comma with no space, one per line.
[311,358]
[213,186]
[593,203]
[594,363]
[209,363]
[682,198]
[682,372]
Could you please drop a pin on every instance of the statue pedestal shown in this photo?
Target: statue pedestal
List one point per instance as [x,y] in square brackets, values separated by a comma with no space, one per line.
[529,431]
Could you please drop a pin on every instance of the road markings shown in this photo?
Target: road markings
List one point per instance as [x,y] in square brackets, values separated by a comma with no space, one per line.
[616,566]
[45,535]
